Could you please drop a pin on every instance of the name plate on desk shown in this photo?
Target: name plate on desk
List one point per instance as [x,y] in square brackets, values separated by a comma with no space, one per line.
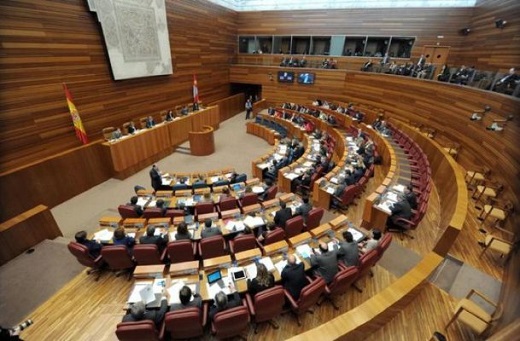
[339,221]
[185,268]
[302,238]
[280,246]
[134,223]
[110,221]
[149,271]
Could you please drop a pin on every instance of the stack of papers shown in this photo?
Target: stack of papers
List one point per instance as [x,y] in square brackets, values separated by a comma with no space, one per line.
[103,235]
[399,188]
[251,270]
[391,196]
[263,165]
[291,176]
[166,181]
[235,225]
[304,250]
[215,178]
[253,221]
[257,189]
[358,236]
[141,201]
[385,206]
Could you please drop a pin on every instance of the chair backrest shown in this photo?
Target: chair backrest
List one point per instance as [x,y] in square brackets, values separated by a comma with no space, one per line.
[271,192]
[153,212]
[211,247]
[366,262]
[127,211]
[249,199]
[107,132]
[275,236]
[384,243]
[125,128]
[293,226]
[343,280]
[180,251]
[310,294]
[243,243]
[142,122]
[269,303]
[117,257]
[137,331]
[82,254]
[174,213]
[230,322]
[314,218]
[228,204]
[147,254]
[184,324]
[204,208]
[349,194]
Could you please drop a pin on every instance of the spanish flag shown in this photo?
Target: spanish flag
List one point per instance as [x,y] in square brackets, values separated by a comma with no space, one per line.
[76,120]
[195,90]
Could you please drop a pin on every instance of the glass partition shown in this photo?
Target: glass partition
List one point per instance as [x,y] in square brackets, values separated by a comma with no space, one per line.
[282,44]
[376,46]
[301,44]
[320,46]
[247,44]
[354,46]
[401,47]
[265,44]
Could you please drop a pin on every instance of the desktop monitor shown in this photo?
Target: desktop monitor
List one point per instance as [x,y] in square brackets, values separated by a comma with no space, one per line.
[306,78]
[285,77]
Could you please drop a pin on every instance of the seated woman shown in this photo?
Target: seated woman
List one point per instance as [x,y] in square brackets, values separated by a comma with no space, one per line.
[120,238]
[182,232]
[263,280]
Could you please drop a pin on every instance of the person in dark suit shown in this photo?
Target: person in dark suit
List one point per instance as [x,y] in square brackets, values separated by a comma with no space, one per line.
[304,209]
[209,230]
[131,128]
[182,232]
[325,262]
[268,183]
[184,110]
[282,215]
[367,66]
[340,188]
[224,302]
[410,196]
[138,312]
[263,280]
[120,238]
[151,238]
[349,178]
[249,108]
[185,296]
[169,116]
[94,248]
[155,175]
[150,123]
[358,173]
[509,81]
[137,208]
[349,250]
[293,277]
[400,209]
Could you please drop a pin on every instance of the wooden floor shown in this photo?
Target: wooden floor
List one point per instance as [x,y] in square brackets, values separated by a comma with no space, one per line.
[89,310]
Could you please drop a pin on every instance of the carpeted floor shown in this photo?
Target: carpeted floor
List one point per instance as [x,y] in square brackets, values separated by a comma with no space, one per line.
[399,260]
[30,279]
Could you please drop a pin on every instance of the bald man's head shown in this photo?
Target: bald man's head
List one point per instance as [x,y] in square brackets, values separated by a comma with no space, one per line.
[291,259]
[324,247]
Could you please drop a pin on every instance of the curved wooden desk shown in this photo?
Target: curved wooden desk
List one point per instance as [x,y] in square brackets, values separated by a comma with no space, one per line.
[203,142]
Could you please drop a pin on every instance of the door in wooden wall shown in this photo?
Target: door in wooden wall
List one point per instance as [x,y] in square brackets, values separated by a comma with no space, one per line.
[436,55]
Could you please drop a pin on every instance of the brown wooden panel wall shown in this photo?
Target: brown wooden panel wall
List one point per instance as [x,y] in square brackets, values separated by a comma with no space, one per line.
[445,107]
[230,106]
[488,47]
[45,43]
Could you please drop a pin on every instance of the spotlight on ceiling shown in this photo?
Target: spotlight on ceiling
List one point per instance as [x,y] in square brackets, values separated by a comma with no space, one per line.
[465,31]
[500,23]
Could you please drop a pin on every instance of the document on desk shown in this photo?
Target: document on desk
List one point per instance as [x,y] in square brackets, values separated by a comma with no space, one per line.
[391,196]
[291,176]
[235,225]
[103,235]
[215,178]
[166,181]
[399,188]
[253,221]
[385,206]
[358,236]
[308,164]
[263,165]
[176,286]
[257,189]
[142,292]
[268,262]
[304,250]
[334,180]
[141,201]
[250,270]
[215,288]
[331,190]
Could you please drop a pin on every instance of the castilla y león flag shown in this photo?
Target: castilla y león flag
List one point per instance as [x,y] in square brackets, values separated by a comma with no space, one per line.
[76,119]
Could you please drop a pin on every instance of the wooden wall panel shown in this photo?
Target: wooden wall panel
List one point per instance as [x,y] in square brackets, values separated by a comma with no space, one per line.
[490,48]
[45,43]
[229,107]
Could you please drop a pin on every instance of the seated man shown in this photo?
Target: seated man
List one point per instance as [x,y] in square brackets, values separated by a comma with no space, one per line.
[367,66]
[325,262]
[410,196]
[169,116]
[282,215]
[182,232]
[137,208]
[184,110]
[121,238]
[268,183]
[223,302]
[372,243]
[401,209]
[150,123]
[293,277]
[94,248]
[131,129]
[508,82]
[342,185]
[185,296]
[151,238]
[138,312]
[304,209]
[209,230]
[349,250]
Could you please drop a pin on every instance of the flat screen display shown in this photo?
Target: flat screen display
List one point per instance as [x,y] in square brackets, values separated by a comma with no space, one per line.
[286,76]
[306,78]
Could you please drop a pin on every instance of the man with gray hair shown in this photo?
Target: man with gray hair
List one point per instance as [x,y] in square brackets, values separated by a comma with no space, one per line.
[138,312]
[223,302]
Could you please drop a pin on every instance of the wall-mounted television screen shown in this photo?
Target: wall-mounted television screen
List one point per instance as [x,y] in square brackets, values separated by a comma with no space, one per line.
[306,78]
[286,76]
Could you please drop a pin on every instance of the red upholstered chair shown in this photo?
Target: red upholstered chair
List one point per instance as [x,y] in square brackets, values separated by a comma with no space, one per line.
[180,251]
[118,259]
[293,227]
[148,254]
[137,331]
[346,198]
[271,193]
[153,212]
[230,322]
[227,204]
[309,296]
[186,323]
[248,199]
[307,189]
[341,283]
[242,243]
[81,253]
[275,236]
[211,247]
[204,208]
[266,305]
[384,243]
[174,213]
[366,262]
[404,225]
[314,218]
[127,211]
